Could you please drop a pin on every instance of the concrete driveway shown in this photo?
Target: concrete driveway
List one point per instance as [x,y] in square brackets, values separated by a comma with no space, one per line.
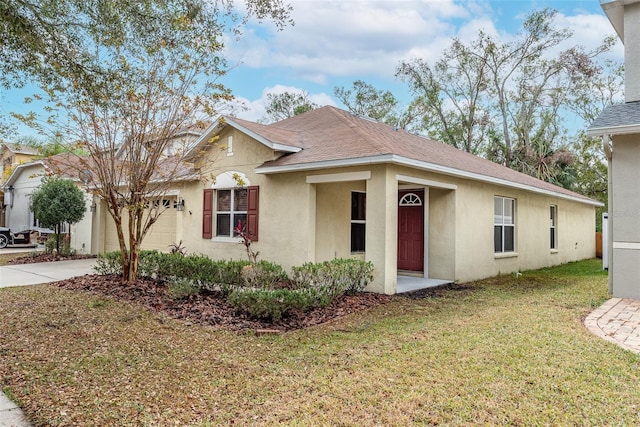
[44,272]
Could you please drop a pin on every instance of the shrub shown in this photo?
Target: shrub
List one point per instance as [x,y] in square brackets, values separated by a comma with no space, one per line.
[199,269]
[149,265]
[333,278]
[270,304]
[264,275]
[182,288]
[352,275]
[109,263]
[50,244]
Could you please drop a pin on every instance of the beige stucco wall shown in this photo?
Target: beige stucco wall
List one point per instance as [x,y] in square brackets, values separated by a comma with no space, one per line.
[333,219]
[460,229]
[441,232]
[475,256]
[286,213]
[294,215]
[625,216]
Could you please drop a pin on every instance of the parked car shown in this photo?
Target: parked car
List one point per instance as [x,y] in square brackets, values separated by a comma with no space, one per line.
[20,238]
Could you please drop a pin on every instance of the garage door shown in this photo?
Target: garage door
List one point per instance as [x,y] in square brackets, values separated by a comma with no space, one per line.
[160,236]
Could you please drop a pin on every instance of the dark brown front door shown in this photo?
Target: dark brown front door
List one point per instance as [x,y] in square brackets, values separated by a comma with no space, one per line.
[410,231]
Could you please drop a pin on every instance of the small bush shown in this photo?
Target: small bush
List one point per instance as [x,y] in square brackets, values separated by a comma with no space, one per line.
[270,304]
[264,275]
[182,288]
[149,263]
[50,244]
[352,275]
[109,263]
[333,278]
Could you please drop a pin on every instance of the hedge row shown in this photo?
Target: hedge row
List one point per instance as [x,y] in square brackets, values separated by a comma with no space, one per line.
[261,289]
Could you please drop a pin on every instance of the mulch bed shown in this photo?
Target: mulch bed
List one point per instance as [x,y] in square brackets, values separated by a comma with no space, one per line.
[43,257]
[211,308]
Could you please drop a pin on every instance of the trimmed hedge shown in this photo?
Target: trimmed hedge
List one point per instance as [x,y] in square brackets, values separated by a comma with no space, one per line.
[261,289]
[271,303]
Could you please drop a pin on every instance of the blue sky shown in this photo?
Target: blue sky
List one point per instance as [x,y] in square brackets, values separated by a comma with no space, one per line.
[334,43]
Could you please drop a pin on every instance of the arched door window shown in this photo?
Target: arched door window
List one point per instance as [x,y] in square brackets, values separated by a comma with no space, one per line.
[410,199]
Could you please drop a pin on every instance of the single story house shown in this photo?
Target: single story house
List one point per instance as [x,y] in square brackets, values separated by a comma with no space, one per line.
[327,184]
[25,178]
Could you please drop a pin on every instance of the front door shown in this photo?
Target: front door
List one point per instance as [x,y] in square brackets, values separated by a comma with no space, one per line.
[411,230]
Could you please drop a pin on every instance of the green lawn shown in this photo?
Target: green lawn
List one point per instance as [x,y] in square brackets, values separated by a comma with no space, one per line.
[506,351]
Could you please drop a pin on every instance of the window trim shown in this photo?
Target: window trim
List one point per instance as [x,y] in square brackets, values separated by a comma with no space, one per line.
[358,221]
[232,212]
[553,228]
[209,214]
[500,254]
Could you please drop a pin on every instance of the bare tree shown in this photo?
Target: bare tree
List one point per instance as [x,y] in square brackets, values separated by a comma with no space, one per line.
[131,76]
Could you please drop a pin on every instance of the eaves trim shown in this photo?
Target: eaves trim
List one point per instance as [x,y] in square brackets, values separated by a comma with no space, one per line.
[614,130]
[273,145]
[18,170]
[427,166]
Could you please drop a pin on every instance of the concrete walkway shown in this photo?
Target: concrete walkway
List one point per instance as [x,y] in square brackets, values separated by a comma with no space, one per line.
[30,274]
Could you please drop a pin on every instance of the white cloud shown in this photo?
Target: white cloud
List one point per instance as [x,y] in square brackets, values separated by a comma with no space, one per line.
[589,30]
[344,38]
[255,110]
[367,39]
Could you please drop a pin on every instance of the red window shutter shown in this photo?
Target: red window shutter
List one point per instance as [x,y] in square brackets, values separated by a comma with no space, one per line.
[207,215]
[253,193]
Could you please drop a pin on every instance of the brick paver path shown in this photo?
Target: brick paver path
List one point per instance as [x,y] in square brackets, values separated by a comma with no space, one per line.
[618,321]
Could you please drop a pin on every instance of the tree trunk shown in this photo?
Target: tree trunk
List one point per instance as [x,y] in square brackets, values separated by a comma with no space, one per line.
[134,258]
[57,239]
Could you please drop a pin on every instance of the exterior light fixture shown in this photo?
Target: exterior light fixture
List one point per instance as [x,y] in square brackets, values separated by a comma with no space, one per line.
[179,204]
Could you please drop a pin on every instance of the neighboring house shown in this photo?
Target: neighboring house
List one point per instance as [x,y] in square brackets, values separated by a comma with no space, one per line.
[328,184]
[619,125]
[168,229]
[21,184]
[11,155]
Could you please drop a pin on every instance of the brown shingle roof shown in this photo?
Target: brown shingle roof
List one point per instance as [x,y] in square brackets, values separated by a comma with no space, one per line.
[328,135]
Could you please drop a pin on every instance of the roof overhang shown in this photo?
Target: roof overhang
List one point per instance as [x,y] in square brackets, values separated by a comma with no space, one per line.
[614,9]
[614,130]
[224,121]
[18,170]
[431,167]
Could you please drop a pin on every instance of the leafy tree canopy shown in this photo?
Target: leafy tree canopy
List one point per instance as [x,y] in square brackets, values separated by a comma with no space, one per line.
[284,105]
[58,201]
[507,101]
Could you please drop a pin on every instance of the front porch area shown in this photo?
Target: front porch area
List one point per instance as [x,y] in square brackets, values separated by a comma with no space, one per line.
[413,283]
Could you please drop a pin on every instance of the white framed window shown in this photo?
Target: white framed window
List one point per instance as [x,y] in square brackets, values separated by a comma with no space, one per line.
[504,224]
[553,227]
[231,211]
[358,221]
[230,145]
